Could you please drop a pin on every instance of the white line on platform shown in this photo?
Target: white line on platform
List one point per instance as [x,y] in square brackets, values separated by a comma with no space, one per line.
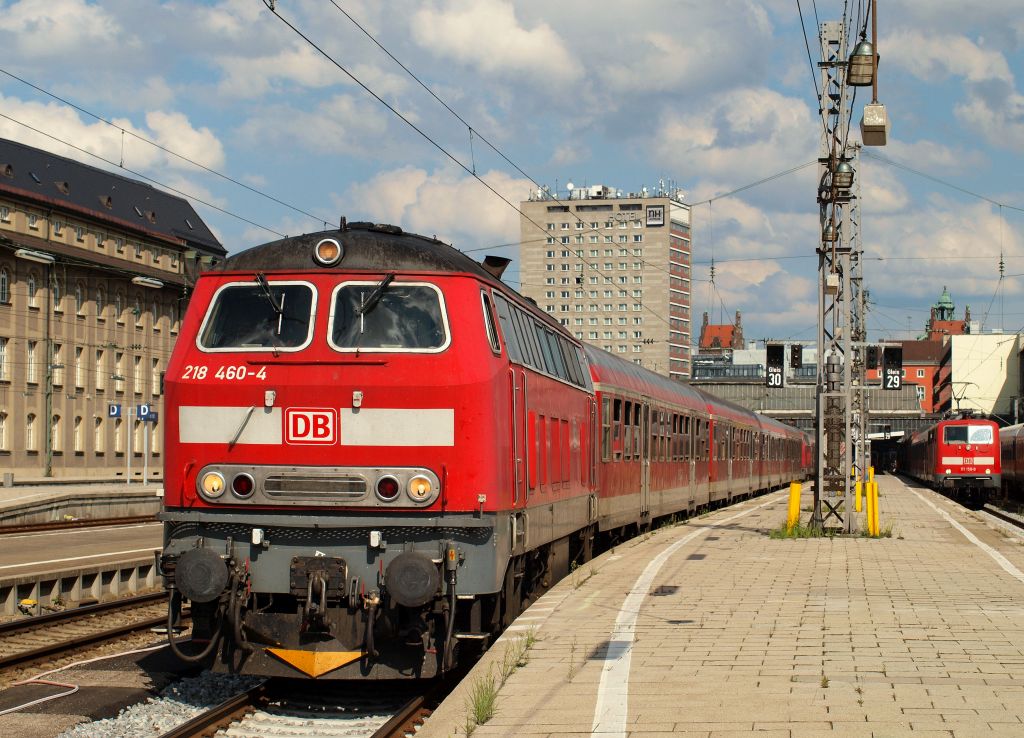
[78,530]
[78,558]
[1010,569]
[613,693]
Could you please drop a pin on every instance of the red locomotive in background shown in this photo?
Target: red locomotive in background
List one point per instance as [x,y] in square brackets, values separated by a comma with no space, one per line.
[961,456]
[376,451]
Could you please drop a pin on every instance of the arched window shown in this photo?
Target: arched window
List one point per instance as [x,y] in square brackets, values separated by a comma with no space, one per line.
[118,306]
[118,436]
[98,439]
[137,310]
[79,298]
[3,432]
[5,286]
[55,439]
[78,440]
[30,433]
[31,284]
[101,301]
[155,314]
[57,294]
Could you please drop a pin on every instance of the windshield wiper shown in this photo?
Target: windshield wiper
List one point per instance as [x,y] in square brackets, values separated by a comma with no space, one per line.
[261,280]
[374,297]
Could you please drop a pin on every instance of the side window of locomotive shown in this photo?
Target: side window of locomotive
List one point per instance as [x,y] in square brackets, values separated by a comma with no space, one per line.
[388,316]
[266,316]
[492,331]
[508,331]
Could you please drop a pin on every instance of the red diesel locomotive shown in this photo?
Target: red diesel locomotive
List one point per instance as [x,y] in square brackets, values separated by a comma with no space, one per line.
[961,456]
[376,451]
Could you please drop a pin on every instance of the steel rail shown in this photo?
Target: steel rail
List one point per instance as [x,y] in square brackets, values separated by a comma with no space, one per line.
[1003,515]
[405,721]
[6,530]
[220,716]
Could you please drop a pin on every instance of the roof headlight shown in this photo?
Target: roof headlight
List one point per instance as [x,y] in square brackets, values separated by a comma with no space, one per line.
[211,484]
[328,252]
[420,488]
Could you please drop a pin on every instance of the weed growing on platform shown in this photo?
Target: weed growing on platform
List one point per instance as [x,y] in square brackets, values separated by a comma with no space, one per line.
[572,660]
[824,682]
[886,532]
[800,531]
[483,701]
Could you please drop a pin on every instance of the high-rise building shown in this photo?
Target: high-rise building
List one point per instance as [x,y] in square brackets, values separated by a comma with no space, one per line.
[613,268]
[93,283]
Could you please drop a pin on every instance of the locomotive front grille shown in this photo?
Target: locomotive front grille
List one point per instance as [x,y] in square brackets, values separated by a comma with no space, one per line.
[306,486]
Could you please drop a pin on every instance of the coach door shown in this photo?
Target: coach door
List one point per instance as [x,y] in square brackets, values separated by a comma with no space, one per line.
[645,458]
[520,449]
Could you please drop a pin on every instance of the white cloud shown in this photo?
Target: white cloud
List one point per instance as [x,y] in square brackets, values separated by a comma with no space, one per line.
[254,76]
[60,29]
[487,36]
[928,56]
[171,130]
[455,208]
[739,135]
[1001,122]
[344,124]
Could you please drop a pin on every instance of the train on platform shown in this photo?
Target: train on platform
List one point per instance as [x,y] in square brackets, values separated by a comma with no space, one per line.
[961,457]
[377,454]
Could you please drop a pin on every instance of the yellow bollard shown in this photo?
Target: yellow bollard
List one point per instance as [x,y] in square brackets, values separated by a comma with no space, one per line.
[859,487]
[874,494]
[871,473]
[794,506]
[869,520]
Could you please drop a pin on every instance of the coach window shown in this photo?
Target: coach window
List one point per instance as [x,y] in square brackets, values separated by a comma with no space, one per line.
[606,429]
[492,331]
[637,430]
[617,431]
[388,316]
[259,316]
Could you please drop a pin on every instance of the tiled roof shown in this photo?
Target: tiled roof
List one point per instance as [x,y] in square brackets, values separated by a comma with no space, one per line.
[56,180]
[723,333]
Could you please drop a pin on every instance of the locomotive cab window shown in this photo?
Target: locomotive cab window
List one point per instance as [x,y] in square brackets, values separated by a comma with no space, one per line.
[967,434]
[388,316]
[259,316]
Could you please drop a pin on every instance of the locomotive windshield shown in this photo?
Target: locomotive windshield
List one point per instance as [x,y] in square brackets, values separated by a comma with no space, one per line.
[388,316]
[258,315]
[968,434]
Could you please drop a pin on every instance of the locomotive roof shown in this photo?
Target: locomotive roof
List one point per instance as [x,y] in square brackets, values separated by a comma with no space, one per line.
[374,247]
[367,246]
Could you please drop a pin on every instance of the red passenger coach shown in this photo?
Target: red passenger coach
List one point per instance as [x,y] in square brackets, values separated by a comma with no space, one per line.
[377,454]
[962,456]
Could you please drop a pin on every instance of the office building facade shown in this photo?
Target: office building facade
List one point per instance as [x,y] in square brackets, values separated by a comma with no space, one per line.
[614,269]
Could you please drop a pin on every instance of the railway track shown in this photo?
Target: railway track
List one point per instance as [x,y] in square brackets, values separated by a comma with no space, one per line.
[1004,515]
[274,708]
[74,524]
[33,639]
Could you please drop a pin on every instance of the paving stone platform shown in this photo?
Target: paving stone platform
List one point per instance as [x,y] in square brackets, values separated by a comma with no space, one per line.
[711,628]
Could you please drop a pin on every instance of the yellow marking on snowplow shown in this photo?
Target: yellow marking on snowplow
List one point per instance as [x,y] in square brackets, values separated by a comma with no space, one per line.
[315,663]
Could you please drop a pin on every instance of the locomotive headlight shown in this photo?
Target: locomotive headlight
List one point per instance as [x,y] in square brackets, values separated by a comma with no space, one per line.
[328,252]
[948,471]
[988,471]
[212,484]
[420,488]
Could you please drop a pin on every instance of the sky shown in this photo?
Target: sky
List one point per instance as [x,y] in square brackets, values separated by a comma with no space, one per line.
[712,96]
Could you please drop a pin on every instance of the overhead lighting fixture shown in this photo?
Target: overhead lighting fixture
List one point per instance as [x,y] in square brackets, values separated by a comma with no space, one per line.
[147,282]
[842,175]
[38,256]
[860,72]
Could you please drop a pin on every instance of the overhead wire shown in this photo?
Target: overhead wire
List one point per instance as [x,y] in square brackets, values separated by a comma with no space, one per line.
[146,177]
[165,149]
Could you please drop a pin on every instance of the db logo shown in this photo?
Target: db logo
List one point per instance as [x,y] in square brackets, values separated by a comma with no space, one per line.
[304,426]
